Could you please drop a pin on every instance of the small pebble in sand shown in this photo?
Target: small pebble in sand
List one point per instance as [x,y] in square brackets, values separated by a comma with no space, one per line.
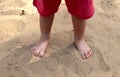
[22,12]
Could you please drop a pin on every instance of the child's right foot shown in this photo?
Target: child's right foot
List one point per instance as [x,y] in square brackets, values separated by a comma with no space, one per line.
[39,49]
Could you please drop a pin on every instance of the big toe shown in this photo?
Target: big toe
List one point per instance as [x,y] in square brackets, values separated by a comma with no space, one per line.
[41,54]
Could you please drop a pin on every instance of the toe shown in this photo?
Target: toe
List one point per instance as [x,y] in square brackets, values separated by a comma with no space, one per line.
[36,53]
[84,56]
[41,54]
[87,54]
[90,52]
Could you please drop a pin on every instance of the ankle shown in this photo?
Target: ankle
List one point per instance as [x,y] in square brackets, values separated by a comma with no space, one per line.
[78,39]
[45,37]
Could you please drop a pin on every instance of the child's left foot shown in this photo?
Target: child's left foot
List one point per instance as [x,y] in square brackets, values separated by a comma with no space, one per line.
[83,47]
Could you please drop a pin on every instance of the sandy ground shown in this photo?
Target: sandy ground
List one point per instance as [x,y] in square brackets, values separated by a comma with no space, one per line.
[19,31]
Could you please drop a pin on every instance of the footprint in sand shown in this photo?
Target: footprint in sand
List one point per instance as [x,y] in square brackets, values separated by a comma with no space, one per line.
[108,5]
[103,65]
[11,4]
[10,28]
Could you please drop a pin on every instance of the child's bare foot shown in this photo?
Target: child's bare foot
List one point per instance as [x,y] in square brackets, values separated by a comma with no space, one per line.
[39,49]
[83,47]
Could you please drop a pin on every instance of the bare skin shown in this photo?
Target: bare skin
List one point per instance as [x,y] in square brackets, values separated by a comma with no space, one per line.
[79,26]
[45,27]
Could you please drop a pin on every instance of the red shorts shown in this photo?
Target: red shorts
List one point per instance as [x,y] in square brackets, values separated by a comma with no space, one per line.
[83,9]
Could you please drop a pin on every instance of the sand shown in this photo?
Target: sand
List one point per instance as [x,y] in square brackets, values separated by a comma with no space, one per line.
[19,31]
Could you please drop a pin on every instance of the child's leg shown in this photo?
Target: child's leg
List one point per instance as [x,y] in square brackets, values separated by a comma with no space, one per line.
[80,10]
[45,28]
[79,26]
[46,9]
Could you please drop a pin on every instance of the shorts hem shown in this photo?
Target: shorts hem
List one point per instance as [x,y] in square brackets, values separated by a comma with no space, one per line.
[82,17]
